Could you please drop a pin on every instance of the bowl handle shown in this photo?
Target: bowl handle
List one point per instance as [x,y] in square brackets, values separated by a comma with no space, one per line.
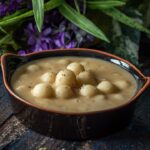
[148,80]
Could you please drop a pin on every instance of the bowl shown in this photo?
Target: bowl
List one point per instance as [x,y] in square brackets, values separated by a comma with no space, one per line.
[74,126]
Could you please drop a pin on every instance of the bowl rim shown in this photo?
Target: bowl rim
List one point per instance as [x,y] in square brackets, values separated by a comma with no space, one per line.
[134,98]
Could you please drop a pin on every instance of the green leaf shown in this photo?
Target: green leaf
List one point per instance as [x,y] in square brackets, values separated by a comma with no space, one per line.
[8,41]
[77,5]
[81,21]
[125,42]
[121,17]
[52,4]
[38,10]
[5,39]
[18,12]
[3,30]
[104,4]
[2,52]
[15,18]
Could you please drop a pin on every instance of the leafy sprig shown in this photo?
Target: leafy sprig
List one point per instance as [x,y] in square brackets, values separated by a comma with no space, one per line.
[108,7]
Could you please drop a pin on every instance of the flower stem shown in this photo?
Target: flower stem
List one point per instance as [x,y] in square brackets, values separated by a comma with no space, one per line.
[77,5]
[84,7]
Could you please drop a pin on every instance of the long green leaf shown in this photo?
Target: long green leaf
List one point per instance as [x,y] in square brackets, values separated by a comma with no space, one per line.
[5,38]
[52,4]
[77,5]
[11,20]
[3,30]
[81,21]
[104,4]
[17,13]
[38,10]
[121,17]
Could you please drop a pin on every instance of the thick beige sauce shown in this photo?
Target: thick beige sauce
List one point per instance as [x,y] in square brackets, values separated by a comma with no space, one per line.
[27,76]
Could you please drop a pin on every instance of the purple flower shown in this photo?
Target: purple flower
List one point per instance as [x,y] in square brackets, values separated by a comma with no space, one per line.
[9,7]
[49,38]
[14,5]
[3,9]
[61,38]
[22,52]
[56,33]
[38,41]
[81,36]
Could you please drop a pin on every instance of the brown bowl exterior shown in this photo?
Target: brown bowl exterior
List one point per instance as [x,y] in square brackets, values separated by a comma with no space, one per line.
[74,126]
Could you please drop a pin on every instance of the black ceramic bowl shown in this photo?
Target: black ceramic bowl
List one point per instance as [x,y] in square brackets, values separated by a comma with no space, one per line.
[74,126]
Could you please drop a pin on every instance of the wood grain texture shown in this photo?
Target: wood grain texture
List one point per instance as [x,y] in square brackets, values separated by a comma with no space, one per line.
[15,136]
[5,104]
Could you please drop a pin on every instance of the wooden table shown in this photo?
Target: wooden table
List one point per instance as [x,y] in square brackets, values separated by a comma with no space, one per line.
[15,136]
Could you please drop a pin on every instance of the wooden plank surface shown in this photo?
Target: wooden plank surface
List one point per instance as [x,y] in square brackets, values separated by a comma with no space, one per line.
[15,136]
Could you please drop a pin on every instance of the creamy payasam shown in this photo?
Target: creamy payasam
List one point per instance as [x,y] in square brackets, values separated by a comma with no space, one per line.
[73,84]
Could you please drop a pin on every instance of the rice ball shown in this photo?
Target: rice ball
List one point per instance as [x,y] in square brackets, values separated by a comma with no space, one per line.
[24,76]
[86,77]
[64,62]
[121,84]
[106,87]
[64,91]
[75,67]
[45,65]
[84,64]
[118,97]
[88,90]
[100,101]
[99,98]
[33,68]
[48,77]
[20,88]
[42,90]
[66,77]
